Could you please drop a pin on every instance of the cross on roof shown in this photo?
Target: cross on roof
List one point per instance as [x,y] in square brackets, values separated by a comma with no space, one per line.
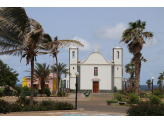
[95,46]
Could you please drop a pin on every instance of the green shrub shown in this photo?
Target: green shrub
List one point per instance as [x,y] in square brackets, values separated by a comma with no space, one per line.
[133,99]
[63,106]
[158,93]
[146,109]
[63,93]
[31,108]
[47,91]
[15,108]
[121,91]
[45,103]
[1,93]
[143,95]
[118,97]
[4,106]
[115,89]
[7,91]
[154,99]
[17,90]
[25,88]
[112,101]
[59,94]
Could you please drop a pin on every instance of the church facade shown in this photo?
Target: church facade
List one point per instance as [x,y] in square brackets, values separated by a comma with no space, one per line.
[96,73]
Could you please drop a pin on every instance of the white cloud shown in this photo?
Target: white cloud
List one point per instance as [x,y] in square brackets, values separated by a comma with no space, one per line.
[87,45]
[4,57]
[150,42]
[110,32]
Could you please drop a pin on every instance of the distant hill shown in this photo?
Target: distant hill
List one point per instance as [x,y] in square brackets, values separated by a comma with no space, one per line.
[19,84]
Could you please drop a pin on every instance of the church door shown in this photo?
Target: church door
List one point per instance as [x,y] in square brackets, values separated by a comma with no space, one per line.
[95,87]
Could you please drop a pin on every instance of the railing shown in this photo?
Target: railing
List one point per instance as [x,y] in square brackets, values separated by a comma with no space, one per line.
[66,90]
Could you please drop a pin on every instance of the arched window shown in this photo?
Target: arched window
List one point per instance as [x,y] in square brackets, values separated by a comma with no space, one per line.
[73,68]
[117,54]
[73,54]
[117,68]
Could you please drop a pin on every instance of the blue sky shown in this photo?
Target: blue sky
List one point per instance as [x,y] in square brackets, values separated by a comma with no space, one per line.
[101,26]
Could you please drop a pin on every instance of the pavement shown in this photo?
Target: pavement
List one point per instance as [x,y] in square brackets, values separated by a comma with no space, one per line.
[94,105]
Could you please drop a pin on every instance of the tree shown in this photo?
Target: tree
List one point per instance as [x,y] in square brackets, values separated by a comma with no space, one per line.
[148,82]
[134,37]
[161,78]
[20,35]
[7,75]
[129,68]
[61,70]
[41,72]
[53,46]
[141,59]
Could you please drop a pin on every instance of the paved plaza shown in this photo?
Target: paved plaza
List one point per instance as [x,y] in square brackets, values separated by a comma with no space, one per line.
[95,105]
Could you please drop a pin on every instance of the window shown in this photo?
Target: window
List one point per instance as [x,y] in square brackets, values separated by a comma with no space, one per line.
[73,68]
[117,54]
[46,81]
[117,68]
[73,54]
[95,71]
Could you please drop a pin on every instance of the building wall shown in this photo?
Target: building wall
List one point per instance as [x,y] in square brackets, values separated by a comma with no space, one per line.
[51,84]
[87,74]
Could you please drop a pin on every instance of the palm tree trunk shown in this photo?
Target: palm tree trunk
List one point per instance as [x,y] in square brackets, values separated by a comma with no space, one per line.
[32,74]
[137,72]
[57,85]
[131,80]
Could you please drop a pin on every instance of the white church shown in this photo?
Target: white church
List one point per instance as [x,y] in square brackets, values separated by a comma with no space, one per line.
[96,73]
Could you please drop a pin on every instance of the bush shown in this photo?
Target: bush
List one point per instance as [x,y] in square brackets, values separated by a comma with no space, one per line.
[4,106]
[121,91]
[155,99]
[59,94]
[1,93]
[115,89]
[133,99]
[15,108]
[158,93]
[64,106]
[7,91]
[45,103]
[112,101]
[17,90]
[146,109]
[143,95]
[47,91]
[32,108]
[118,97]
[25,88]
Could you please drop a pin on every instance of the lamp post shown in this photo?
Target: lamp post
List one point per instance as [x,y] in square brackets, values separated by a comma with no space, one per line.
[76,74]
[65,83]
[152,84]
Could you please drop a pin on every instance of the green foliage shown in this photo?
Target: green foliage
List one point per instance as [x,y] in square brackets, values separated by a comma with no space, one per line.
[25,88]
[121,91]
[133,99]
[47,91]
[143,95]
[63,106]
[119,97]
[4,106]
[7,75]
[115,89]
[112,101]
[158,93]
[15,108]
[146,109]
[18,90]
[60,94]
[155,99]
[32,108]
[46,103]
[7,91]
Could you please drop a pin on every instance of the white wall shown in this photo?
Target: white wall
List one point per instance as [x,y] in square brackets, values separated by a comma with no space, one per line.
[87,74]
[120,55]
[72,82]
[118,83]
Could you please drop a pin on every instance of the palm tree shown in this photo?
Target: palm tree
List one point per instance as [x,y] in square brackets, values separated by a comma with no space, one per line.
[41,72]
[129,68]
[61,70]
[21,35]
[134,37]
[148,82]
[141,59]
[161,78]
[160,83]
[53,46]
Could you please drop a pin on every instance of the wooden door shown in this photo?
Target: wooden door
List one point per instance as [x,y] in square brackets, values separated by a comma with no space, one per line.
[95,87]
